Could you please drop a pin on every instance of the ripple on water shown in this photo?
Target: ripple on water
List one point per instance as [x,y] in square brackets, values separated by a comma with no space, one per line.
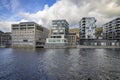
[60,64]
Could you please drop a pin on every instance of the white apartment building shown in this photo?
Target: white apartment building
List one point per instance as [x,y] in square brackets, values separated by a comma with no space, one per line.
[28,34]
[58,38]
[87,28]
[111,30]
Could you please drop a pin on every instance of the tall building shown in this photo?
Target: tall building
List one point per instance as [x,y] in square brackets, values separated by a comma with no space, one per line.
[28,34]
[87,28]
[58,36]
[111,30]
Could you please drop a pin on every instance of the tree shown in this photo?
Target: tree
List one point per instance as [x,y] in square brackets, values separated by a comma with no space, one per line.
[98,32]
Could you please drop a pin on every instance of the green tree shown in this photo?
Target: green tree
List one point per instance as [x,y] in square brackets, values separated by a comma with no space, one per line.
[98,32]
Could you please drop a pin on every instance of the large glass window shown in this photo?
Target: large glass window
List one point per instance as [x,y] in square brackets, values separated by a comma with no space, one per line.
[87,27]
[58,36]
[55,40]
[61,32]
[15,28]
[30,27]
[15,25]
[22,27]
[58,40]
[55,36]
[25,40]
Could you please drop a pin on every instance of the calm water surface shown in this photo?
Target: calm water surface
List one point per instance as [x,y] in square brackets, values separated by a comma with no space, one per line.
[59,64]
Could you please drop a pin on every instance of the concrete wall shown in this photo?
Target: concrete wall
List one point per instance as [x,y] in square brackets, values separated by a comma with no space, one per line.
[55,45]
[100,42]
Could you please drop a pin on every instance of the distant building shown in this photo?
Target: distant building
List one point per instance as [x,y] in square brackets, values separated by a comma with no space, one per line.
[28,34]
[59,31]
[72,39]
[5,39]
[87,28]
[111,30]
[1,35]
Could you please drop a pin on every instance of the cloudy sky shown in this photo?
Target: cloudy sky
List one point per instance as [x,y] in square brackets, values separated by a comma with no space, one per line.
[43,11]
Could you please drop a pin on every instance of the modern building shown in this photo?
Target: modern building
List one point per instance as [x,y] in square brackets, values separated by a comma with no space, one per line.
[58,35]
[87,28]
[111,30]
[29,35]
[5,39]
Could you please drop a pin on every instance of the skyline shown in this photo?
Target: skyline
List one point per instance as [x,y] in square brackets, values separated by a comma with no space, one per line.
[43,12]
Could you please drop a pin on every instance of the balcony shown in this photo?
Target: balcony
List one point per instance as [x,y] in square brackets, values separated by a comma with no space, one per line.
[83,27]
[83,30]
[117,24]
[118,31]
[83,24]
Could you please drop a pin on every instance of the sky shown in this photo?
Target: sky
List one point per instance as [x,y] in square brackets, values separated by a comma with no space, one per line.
[44,11]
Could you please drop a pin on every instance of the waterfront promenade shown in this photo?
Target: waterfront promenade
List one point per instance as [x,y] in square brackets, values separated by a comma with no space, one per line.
[99,47]
[83,46]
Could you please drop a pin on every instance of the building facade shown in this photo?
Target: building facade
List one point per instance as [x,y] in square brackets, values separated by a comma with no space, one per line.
[1,33]
[5,39]
[72,39]
[58,35]
[29,35]
[111,30]
[87,28]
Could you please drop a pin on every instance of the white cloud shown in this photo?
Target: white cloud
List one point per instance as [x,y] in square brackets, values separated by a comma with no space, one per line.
[23,20]
[6,26]
[74,10]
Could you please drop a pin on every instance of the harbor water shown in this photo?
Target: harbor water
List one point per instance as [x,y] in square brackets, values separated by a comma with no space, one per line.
[59,64]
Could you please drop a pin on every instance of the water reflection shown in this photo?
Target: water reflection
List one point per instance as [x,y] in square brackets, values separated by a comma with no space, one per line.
[60,64]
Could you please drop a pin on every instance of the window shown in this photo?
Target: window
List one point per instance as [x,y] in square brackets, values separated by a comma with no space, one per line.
[89,30]
[30,24]
[55,36]
[55,40]
[92,27]
[22,27]
[30,27]
[64,40]
[58,36]
[55,30]
[15,28]
[52,36]
[58,40]
[61,31]
[25,40]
